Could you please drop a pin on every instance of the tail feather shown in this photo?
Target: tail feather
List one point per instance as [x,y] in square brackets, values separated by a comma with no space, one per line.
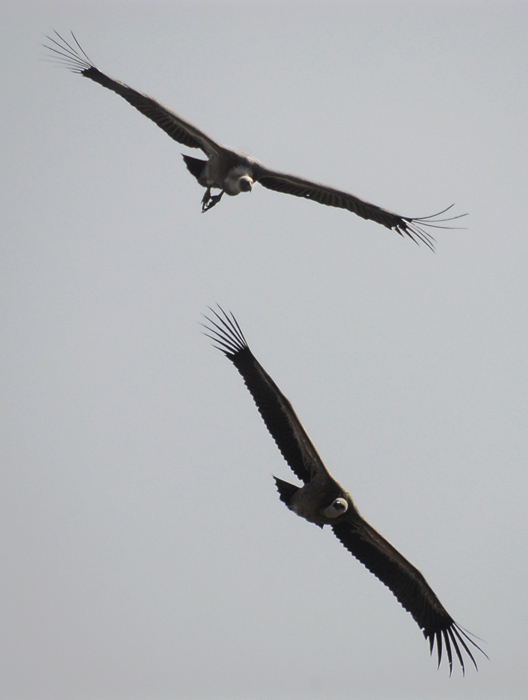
[286,490]
[194,165]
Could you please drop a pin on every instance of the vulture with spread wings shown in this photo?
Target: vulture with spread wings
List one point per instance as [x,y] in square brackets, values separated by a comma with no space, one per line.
[325,502]
[233,172]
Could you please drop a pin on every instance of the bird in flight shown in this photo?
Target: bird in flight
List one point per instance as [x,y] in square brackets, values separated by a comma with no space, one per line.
[325,502]
[233,172]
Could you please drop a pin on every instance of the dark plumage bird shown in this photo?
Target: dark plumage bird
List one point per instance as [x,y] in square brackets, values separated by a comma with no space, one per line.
[325,502]
[233,172]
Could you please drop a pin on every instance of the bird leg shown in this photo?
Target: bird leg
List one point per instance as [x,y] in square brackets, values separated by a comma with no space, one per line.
[209,200]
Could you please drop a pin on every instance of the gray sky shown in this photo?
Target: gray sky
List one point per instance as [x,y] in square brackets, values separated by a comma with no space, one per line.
[146,553]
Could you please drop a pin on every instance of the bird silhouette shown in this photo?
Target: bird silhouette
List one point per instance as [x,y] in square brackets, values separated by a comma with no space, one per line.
[233,172]
[323,501]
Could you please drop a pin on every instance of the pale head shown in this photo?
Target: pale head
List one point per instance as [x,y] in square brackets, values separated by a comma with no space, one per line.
[336,508]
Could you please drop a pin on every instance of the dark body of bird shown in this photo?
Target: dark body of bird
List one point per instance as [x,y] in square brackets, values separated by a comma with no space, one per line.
[323,501]
[233,172]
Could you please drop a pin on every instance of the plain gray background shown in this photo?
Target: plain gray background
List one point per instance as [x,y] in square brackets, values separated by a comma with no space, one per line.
[145,551]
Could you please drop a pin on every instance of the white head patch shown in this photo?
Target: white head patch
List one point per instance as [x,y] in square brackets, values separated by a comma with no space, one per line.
[336,508]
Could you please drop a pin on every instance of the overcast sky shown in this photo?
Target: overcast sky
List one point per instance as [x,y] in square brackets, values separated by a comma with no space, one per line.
[146,554]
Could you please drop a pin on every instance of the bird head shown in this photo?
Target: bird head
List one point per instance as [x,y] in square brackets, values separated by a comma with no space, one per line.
[245,183]
[336,508]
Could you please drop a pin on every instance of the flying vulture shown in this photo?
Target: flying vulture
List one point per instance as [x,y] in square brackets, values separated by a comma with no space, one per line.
[233,172]
[325,502]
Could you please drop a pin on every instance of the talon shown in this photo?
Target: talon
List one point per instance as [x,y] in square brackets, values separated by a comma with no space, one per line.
[206,198]
[209,200]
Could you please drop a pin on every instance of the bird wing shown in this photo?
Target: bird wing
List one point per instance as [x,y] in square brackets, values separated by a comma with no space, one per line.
[74,57]
[277,412]
[405,226]
[408,585]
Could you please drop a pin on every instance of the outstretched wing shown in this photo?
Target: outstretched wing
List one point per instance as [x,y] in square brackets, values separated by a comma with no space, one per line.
[410,588]
[277,412]
[405,226]
[74,57]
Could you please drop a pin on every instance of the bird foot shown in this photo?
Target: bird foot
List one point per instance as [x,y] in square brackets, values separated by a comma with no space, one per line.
[209,200]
